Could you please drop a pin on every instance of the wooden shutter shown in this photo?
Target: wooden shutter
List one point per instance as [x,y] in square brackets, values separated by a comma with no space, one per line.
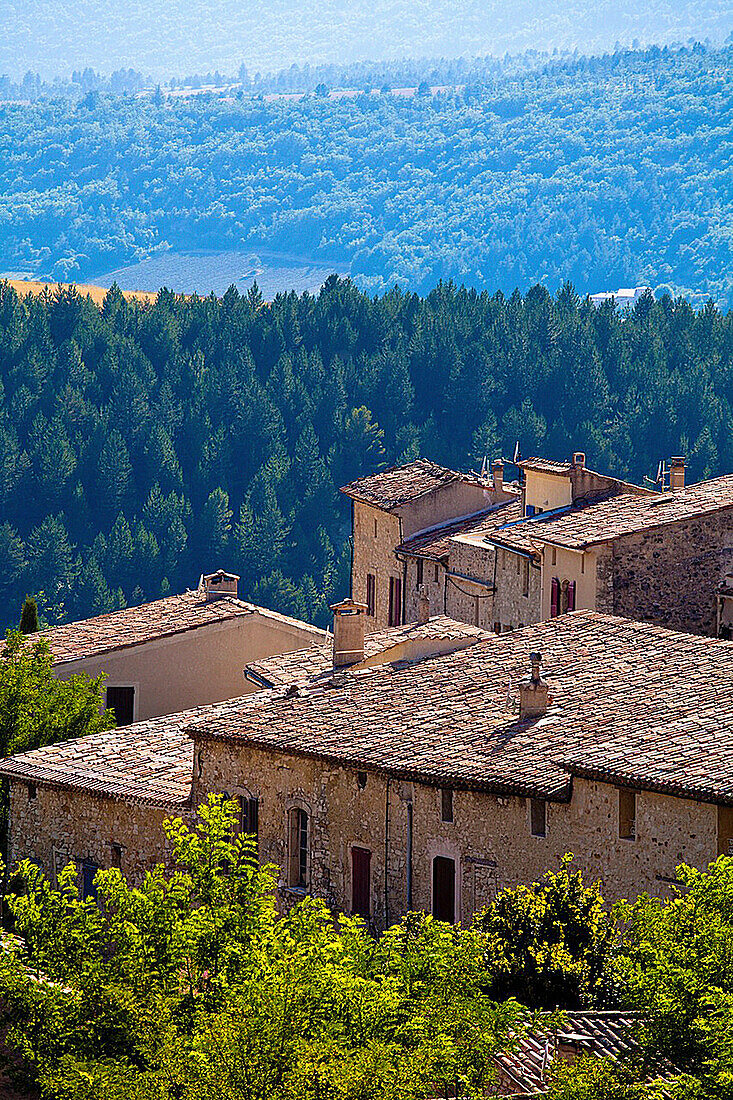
[444,889]
[555,598]
[361,882]
[395,601]
[571,596]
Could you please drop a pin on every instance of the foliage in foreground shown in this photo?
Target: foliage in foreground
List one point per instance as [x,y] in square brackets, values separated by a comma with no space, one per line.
[191,987]
[37,708]
[552,942]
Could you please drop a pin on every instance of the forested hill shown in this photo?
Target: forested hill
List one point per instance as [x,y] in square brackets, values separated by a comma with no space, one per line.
[142,445]
[174,37]
[609,172]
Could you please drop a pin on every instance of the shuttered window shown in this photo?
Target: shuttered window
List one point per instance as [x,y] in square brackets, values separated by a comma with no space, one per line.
[555,598]
[571,596]
[395,601]
[371,594]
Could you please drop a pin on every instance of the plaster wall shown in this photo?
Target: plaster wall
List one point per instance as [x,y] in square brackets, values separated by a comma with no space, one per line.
[199,666]
[547,491]
[569,566]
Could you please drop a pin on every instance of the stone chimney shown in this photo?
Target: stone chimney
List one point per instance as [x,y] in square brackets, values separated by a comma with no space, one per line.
[423,605]
[677,472]
[533,695]
[220,584]
[579,459]
[348,633]
[570,1046]
[497,475]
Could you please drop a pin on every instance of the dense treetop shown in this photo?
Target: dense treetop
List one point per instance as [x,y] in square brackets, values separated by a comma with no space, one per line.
[143,445]
[609,172]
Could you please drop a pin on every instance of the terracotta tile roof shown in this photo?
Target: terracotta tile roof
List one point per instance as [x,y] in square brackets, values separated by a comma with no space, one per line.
[149,763]
[317,660]
[137,625]
[401,484]
[546,465]
[616,516]
[528,1065]
[618,686]
[435,542]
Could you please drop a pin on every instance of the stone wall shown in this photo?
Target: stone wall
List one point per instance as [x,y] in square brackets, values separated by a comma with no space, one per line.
[375,534]
[433,580]
[668,575]
[489,838]
[465,601]
[54,827]
[512,608]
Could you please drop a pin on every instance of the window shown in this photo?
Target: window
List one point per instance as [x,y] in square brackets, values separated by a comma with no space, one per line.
[122,701]
[497,628]
[519,564]
[249,816]
[436,572]
[361,780]
[420,571]
[88,872]
[116,856]
[525,576]
[554,555]
[375,526]
[555,598]
[627,814]
[371,594]
[298,845]
[395,601]
[32,792]
[361,860]
[444,889]
[571,596]
[446,805]
[538,816]
[529,511]
[582,563]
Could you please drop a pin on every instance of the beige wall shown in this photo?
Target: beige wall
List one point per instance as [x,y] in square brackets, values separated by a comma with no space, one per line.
[451,502]
[547,491]
[374,552]
[569,565]
[199,666]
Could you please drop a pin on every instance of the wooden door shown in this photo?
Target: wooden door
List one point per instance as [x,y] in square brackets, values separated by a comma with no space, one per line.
[444,889]
[360,882]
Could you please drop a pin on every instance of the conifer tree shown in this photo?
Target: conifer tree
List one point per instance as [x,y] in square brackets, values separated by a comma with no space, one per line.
[29,623]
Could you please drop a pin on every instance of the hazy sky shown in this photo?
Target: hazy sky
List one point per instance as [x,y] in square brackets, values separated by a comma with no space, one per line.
[177,37]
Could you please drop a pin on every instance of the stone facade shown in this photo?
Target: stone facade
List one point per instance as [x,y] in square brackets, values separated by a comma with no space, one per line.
[518,596]
[668,575]
[54,827]
[375,535]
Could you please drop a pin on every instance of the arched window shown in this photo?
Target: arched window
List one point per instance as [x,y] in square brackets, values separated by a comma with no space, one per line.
[298,846]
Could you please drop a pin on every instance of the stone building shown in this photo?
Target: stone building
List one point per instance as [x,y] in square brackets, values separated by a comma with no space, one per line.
[402,503]
[175,653]
[429,782]
[571,539]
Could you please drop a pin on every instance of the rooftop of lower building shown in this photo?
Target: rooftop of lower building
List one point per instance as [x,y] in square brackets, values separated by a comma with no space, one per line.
[630,703]
[400,485]
[435,542]
[134,626]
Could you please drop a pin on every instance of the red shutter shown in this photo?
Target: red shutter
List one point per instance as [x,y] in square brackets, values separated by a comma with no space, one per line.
[555,598]
[360,882]
[571,596]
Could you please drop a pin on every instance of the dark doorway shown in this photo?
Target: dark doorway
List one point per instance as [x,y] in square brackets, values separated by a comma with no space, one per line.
[360,882]
[444,889]
[122,701]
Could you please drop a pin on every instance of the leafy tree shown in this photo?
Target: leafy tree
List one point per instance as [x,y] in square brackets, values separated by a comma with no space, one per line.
[37,708]
[190,986]
[552,942]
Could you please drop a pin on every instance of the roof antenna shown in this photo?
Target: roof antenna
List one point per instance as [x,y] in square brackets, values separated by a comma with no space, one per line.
[517,454]
[484,468]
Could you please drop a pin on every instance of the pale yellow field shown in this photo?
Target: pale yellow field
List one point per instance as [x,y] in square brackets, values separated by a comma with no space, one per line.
[96,293]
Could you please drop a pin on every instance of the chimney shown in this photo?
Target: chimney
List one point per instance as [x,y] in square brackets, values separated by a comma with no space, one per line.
[497,475]
[220,584]
[533,692]
[677,472]
[423,605]
[579,459]
[571,1046]
[348,633]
